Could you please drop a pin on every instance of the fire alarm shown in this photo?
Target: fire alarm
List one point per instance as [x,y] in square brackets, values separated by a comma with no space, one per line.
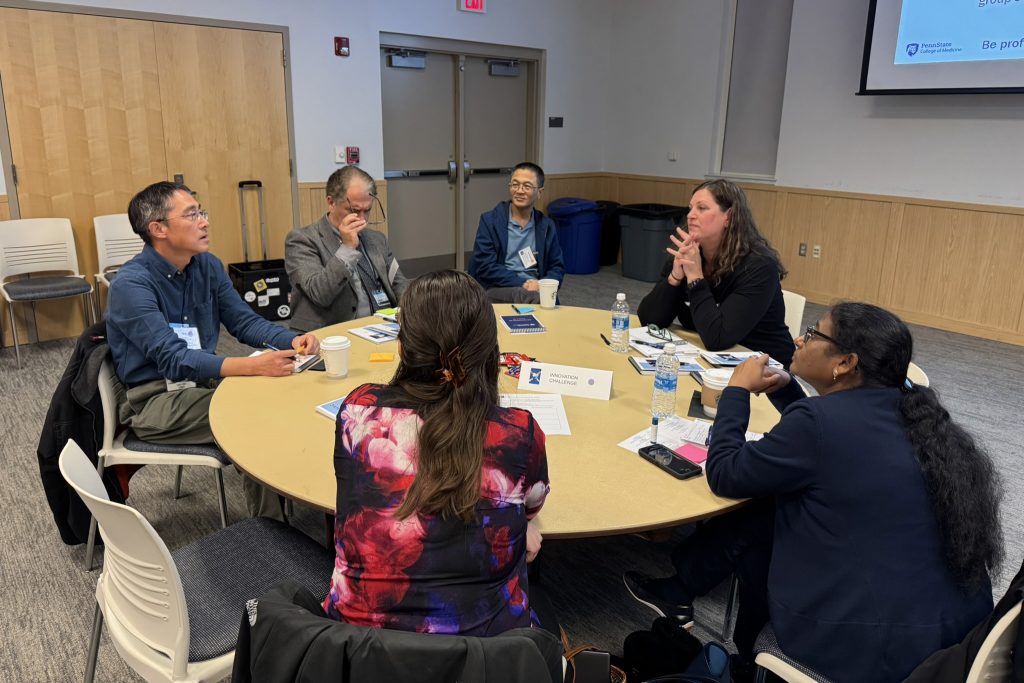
[341,46]
[351,155]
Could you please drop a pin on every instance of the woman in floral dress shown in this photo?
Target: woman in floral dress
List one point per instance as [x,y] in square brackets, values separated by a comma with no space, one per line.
[436,482]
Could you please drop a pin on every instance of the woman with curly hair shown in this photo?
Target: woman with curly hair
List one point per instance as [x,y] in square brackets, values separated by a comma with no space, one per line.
[724,278]
[886,528]
[436,482]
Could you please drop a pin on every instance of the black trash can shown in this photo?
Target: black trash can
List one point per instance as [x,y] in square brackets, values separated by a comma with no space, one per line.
[579,233]
[645,231]
[610,232]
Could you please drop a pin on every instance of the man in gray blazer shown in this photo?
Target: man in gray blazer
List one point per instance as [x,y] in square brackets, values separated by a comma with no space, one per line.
[338,269]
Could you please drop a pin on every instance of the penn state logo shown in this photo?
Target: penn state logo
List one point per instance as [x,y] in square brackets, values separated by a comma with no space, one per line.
[534,376]
[912,49]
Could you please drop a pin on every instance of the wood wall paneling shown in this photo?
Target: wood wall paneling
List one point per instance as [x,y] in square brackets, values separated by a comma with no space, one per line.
[85,126]
[961,265]
[222,93]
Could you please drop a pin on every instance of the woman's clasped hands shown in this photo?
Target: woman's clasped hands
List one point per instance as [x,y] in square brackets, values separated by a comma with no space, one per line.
[756,376]
[685,257]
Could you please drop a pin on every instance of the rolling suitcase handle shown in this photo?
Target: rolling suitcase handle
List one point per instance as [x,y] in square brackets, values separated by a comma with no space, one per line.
[258,186]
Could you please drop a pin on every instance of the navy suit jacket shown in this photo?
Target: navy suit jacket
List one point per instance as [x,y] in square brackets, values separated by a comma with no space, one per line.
[858,588]
[490,250]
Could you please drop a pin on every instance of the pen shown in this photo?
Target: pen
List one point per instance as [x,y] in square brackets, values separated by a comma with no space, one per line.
[653,346]
[516,308]
[606,340]
[270,346]
[654,429]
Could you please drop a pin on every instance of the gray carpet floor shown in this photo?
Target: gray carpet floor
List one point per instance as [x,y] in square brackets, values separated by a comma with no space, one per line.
[46,598]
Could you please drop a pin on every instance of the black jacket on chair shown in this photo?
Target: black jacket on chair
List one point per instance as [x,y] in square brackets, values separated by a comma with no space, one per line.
[75,413]
[286,636]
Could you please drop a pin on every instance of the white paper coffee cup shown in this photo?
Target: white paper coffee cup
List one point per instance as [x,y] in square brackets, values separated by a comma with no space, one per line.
[335,353]
[548,292]
[715,382]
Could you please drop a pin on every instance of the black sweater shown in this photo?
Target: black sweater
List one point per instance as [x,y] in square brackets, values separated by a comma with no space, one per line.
[745,308]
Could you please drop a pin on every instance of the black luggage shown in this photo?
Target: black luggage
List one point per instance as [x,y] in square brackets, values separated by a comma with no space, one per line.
[262,284]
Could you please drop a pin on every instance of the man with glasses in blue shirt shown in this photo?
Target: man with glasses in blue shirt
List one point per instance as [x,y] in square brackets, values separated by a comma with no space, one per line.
[338,269]
[517,245]
[166,306]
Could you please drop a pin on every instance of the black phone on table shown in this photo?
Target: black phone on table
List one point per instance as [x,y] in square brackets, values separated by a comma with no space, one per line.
[676,465]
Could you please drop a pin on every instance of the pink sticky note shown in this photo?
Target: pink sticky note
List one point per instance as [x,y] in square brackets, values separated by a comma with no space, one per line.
[692,452]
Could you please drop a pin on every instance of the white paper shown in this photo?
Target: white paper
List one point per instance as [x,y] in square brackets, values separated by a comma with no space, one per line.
[547,409]
[673,431]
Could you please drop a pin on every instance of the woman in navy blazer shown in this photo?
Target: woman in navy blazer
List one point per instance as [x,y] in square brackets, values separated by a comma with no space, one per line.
[886,524]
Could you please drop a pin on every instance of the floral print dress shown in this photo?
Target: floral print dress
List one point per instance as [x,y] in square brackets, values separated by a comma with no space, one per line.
[425,573]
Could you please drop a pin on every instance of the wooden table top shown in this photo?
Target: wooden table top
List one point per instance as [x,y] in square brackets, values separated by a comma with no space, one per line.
[271,430]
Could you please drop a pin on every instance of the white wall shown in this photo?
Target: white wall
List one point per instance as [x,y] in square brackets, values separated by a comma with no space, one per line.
[337,100]
[951,147]
[662,86]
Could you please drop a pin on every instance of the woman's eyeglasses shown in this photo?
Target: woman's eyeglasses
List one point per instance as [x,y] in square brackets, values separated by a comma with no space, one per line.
[811,332]
[659,333]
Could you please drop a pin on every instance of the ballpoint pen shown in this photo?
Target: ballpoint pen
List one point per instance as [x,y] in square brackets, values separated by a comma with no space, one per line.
[605,339]
[647,343]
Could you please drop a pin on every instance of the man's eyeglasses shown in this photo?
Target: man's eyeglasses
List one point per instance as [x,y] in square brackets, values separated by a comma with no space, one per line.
[811,332]
[659,333]
[515,186]
[374,221]
[191,216]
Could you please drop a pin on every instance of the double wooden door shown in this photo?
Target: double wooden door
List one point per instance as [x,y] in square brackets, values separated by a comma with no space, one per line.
[99,107]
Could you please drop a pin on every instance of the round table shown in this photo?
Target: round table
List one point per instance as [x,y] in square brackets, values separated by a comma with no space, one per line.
[269,427]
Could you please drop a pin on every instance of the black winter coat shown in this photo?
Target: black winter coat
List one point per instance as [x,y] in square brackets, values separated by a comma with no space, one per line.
[75,413]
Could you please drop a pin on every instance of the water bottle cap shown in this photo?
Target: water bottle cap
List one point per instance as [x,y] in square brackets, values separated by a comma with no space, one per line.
[669,348]
[621,296]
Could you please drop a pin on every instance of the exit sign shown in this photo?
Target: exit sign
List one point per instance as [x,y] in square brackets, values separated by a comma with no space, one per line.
[472,6]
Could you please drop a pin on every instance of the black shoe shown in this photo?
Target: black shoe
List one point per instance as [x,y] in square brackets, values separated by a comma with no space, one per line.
[652,592]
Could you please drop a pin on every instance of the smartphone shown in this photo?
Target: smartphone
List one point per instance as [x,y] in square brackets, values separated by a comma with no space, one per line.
[304,362]
[666,459]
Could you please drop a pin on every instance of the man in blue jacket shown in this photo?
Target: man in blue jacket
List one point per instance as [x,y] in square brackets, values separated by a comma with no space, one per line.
[517,245]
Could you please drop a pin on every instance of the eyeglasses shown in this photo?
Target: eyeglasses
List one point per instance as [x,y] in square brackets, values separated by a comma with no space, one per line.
[515,185]
[191,216]
[811,332]
[659,333]
[380,207]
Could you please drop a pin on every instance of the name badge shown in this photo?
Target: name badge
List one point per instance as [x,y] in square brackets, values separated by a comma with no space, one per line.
[380,298]
[527,257]
[190,335]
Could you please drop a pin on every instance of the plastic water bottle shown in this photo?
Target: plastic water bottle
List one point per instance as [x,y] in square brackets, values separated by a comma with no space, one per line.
[666,378]
[620,324]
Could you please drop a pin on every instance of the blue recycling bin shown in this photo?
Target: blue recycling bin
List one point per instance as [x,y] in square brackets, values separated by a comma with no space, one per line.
[579,233]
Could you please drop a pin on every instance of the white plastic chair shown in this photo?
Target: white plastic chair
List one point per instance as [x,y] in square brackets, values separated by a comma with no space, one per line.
[45,246]
[993,662]
[183,626]
[128,449]
[795,304]
[116,244]
[770,657]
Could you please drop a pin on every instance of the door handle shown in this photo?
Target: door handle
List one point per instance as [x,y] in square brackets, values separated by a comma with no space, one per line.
[450,172]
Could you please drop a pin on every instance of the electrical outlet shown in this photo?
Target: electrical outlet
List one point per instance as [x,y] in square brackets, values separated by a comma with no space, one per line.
[339,154]
[816,252]
[802,251]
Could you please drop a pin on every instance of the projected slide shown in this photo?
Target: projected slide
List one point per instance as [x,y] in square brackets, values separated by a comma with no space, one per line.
[933,31]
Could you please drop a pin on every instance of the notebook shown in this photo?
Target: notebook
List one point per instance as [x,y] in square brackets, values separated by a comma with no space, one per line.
[522,324]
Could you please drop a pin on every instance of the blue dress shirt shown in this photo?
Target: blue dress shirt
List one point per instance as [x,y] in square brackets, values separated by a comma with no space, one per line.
[149,294]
